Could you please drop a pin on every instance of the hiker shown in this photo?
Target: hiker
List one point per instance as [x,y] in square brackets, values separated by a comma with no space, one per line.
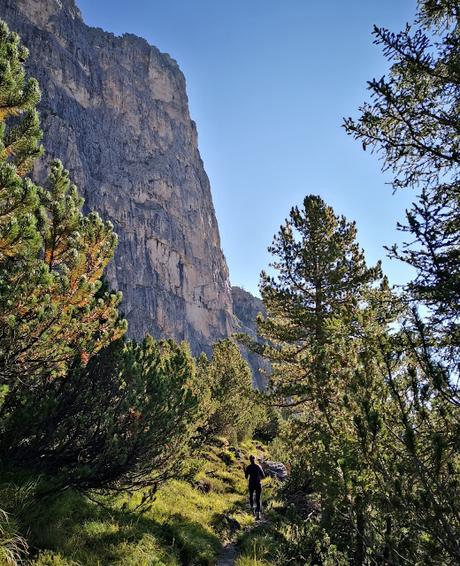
[255,473]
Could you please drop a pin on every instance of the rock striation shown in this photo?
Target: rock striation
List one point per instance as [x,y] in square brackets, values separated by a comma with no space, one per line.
[115,111]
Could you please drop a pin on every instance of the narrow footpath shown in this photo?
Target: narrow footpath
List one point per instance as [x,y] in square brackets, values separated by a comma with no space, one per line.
[228,555]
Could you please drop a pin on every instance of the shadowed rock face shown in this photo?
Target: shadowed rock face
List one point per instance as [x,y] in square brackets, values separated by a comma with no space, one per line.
[115,111]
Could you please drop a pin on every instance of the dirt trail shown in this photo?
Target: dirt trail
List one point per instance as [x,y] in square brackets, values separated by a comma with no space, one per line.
[228,555]
[230,551]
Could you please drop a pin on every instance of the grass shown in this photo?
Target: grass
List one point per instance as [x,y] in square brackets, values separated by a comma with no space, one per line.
[259,545]
[256,548]
[250,561]
[12,545]
[186,525]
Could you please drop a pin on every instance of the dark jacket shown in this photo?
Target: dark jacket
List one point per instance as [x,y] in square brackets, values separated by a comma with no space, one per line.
[254,473]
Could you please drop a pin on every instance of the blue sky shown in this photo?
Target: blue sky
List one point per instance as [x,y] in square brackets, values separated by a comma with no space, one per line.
[269,82]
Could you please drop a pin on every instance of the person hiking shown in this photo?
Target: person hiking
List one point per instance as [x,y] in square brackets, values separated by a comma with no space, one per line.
[255,474]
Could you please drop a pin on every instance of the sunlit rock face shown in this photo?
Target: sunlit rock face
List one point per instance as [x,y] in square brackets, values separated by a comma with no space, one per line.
[115,111]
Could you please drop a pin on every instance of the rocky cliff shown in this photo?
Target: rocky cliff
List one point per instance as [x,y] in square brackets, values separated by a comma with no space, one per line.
[246,307]
[115,111]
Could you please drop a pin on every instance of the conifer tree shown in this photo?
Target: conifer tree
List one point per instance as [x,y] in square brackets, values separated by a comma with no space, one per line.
[126,419]
[19,146]
[374,412]
[321,277]
[322,302]
[55,311]
[411,121]
[228,379]
[51,255]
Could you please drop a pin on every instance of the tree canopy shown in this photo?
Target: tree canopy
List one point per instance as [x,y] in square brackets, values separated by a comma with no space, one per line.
[411,121]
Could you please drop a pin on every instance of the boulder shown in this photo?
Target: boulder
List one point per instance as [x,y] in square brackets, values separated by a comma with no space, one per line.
[275,469]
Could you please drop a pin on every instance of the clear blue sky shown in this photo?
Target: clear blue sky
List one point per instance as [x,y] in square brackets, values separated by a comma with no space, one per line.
[269,82]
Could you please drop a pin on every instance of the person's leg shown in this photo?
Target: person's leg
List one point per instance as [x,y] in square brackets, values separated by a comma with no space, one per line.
[258,493]
[251,496]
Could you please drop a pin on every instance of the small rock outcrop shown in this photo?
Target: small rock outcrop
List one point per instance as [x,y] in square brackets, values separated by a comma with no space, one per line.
[115,111]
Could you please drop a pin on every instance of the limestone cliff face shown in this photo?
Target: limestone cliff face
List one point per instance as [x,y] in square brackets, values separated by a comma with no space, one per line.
[115,111]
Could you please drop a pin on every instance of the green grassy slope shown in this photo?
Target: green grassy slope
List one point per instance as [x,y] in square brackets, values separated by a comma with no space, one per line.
[187,523]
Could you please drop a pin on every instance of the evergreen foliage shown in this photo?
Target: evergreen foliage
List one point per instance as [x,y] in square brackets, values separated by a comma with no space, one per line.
[18,97]
[19,146]
[411,121]
[370,410]
[232,410]
[51,307]
[323,309]
[321,279]
[125,420]
[51,254]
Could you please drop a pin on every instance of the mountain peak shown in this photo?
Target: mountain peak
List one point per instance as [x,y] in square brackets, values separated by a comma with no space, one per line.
[44,10]
[70,7]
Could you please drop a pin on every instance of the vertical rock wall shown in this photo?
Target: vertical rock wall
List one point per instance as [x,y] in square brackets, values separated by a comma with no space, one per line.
[115,111]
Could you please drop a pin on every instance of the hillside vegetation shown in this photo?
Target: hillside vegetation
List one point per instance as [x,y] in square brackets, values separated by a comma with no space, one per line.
[187,521]
[114,451]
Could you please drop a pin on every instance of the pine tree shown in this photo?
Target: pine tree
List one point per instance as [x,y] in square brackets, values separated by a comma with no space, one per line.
[19,146]
[411,121]
[52,256]
[323,305]
[55,311]
[18,97]
[228,378]
[372,422]
[127,419]
[320,278]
